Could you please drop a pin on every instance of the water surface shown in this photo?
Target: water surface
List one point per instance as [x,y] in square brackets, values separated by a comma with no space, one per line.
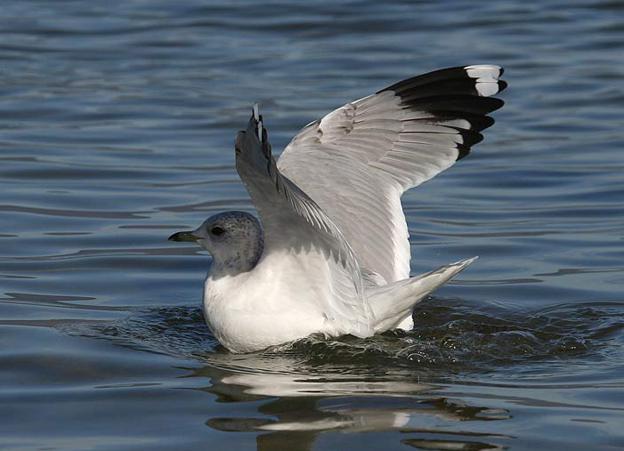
[116,129]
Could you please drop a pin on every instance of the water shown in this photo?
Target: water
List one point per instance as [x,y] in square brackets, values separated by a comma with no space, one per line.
[117,125]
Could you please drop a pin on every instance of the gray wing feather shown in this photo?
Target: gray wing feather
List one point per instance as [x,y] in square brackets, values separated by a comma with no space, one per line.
[357,161]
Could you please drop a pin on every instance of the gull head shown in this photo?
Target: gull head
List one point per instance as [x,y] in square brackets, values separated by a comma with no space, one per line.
[233,238]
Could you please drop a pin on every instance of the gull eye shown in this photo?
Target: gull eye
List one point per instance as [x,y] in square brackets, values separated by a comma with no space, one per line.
[217,231]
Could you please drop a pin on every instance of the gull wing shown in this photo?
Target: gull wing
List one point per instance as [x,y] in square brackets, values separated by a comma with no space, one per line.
[293,222]
[358,160]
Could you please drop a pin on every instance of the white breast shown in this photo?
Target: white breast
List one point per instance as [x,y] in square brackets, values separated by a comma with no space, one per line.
[277,302]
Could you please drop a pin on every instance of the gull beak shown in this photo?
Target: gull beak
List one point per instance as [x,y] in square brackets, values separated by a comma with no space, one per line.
[183,236]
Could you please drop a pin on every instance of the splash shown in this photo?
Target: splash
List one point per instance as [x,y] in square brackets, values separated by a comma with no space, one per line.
[449,337]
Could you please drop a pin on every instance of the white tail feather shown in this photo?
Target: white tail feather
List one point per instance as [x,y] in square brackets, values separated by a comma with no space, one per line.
[393,303]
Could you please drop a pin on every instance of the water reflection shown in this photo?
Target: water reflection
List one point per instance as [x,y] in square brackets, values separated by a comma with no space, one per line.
[291,409]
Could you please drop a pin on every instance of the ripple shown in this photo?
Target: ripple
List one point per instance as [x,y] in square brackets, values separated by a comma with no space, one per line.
[450,337]
[73,213]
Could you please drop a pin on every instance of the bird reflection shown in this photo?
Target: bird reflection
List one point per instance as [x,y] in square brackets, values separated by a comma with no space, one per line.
[302,403]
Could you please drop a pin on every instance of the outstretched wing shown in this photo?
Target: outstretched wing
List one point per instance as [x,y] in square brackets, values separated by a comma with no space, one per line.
[357,161]
[293,222]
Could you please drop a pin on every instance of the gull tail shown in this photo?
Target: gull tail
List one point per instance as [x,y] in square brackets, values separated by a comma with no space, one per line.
[392,304]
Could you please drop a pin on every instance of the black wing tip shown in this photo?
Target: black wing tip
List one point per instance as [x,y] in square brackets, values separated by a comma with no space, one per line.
[477,80]
[459,104]
[469,139]
[461,92]
[462,151]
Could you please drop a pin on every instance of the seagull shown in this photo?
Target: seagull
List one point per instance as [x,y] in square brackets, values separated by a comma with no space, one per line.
[330,252]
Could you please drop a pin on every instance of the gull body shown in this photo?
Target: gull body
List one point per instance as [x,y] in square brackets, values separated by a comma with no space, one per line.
[330,254]
[278,302]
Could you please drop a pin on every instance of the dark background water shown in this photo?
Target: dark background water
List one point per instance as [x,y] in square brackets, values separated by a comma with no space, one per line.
[117,121]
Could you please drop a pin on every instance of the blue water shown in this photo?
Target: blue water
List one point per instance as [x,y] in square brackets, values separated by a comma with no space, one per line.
[117,123]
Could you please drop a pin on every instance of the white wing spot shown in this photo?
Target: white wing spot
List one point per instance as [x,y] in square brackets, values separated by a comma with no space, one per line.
[486,89]
[486,78]
[459,123]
